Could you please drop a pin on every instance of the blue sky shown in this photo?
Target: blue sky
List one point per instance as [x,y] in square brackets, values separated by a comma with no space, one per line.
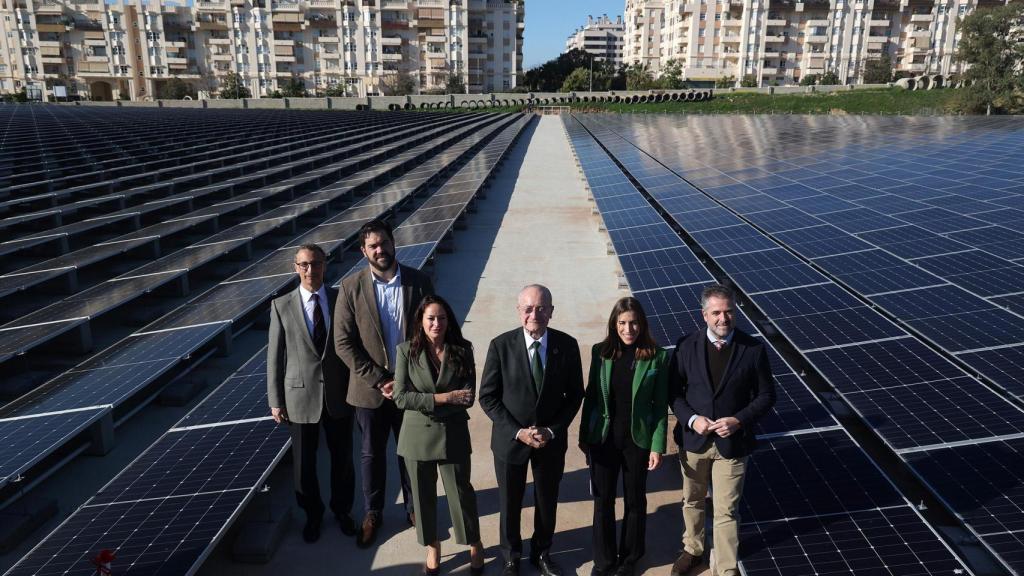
[549,23]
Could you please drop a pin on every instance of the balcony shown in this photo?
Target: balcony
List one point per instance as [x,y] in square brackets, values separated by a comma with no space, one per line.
[818,23]
[285,6]
[222,57]
[219,41]
[766,71]
[208,23]
[917,67]
[776,22]
[46,44]
[176,61]
[284,42]
[328,39]
[921,34]
[49,7]
[330,55]
[877,40]
[731,39]
[97,59]
[176,44]
[54,59]
[817,39]
[394,5]
[879,23]
[58,28]
[284,58]
[732,23]
[775,39]
[922,17]
[219,5]
[322,3]
[771,54]
[390,41]
[391,57]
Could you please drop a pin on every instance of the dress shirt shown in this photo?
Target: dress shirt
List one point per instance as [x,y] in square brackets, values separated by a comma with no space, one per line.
[713,338]
[389,308]
[307,307]
[543,350]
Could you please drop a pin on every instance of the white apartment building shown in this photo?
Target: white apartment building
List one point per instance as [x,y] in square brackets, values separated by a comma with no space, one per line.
[778,42]
[603,38]
[127,48]
[645,20]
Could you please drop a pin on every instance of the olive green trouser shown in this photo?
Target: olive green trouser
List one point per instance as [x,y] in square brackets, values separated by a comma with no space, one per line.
[461,499]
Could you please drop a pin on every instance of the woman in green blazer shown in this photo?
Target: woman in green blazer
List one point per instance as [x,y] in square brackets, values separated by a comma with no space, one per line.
[435,381]
[624,427]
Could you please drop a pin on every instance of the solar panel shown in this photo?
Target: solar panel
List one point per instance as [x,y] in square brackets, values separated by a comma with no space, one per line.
[23,441]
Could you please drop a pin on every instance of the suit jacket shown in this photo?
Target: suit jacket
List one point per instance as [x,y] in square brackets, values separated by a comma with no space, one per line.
[649,421]
[359,338]
[298,378]
[747,391]
[508,396]
[431,432]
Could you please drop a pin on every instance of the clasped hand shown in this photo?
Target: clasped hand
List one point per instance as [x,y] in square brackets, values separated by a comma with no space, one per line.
[534,437]
[723,427]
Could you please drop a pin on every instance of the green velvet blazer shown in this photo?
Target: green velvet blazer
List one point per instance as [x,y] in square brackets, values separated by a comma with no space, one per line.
[649,425]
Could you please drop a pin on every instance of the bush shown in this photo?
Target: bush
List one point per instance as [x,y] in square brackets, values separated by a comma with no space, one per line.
[749,81]
[829,79]
[809,80]
[727,82]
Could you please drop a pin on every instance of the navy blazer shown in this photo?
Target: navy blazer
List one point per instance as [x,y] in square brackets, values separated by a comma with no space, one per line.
[747,391]
[509,398]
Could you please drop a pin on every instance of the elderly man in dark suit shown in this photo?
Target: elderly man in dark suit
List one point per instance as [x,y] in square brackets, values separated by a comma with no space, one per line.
[375,314]
[722,383]
[531,387]
[306,385]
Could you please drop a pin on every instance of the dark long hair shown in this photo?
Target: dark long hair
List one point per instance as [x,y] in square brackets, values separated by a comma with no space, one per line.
[460,350]
[612,345]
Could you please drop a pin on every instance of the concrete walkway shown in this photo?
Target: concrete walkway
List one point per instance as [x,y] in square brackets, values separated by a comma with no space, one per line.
[535,226]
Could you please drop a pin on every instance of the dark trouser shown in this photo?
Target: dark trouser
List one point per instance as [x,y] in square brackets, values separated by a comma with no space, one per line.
[461,499]
[305,439]
[376,424]
[547,464]
[605,463]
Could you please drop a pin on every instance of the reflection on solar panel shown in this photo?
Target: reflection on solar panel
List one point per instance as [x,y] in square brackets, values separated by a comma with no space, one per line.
[839,217]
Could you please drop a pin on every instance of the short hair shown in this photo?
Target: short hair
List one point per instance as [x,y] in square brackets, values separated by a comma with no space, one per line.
[716,291]
[377,226]
[543,290]
[314,248]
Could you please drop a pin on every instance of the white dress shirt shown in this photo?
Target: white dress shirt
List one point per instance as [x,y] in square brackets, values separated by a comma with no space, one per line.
[307,307]
[389,308]
[543,351]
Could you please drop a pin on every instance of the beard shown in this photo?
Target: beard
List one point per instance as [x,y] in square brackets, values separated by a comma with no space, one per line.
[383,264]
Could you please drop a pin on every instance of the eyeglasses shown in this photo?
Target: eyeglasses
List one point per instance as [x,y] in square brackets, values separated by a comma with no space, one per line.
[540,310]
[316,265]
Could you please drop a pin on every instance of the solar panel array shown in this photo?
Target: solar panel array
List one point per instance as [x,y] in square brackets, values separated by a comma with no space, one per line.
[167,509]
[784,241]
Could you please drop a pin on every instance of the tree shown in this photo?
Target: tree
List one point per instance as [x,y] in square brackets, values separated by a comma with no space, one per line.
[671,77]
[638,77]
[878,71]
[400,84]
[336,91]
[992,46]
[829,79]
[234,87]
[749,81]
[174,89]
[453,84]
[809,80]
[578,80]
[549,76]
[725,82]
[294,88]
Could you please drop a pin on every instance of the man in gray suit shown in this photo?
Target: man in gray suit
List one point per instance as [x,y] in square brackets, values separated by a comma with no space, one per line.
[306,386]
[375,314]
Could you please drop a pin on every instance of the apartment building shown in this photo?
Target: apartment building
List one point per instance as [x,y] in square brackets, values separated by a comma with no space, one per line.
[779,42]
[127,49]
[603,37]
[644,21]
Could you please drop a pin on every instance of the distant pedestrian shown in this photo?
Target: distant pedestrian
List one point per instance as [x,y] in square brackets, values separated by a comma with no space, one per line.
[721,384]
[624,428]
[435,382]
[531,388]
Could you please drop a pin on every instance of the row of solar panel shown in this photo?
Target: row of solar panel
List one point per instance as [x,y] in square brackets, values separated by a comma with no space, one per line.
[914,398]
[166,510]
[802,476]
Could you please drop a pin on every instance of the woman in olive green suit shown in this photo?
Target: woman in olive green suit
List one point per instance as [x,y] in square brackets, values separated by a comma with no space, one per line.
[624,427]
[435,381]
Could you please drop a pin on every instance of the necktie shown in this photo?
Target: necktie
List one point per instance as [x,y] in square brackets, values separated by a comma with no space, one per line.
[319,330]
[719,344]
[536,367]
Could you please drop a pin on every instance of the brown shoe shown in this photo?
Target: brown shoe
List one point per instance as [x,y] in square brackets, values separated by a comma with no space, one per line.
[684,564]
[368,531]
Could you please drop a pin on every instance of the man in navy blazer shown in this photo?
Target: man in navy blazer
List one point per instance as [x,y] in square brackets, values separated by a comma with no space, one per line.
[721,383]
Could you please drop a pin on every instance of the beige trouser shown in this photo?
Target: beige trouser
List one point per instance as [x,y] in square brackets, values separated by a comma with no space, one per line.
[726,476]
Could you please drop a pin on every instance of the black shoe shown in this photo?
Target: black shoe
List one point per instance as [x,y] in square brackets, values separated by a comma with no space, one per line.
[347,524]
[431,571]
[684,563]
[311,531]
[546,565]
[595,571]
[511,568]
[625,569]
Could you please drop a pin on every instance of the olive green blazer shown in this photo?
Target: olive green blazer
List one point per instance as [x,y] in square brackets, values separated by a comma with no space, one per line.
[649,426]
[431,432]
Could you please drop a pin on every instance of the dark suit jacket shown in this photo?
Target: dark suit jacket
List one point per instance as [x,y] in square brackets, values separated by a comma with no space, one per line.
[747,391]
[431,432]
[359,338]
[298,378]
[508,396]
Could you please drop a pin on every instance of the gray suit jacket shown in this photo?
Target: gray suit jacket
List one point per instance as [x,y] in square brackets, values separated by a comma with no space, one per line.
[431,432]
[298,379]
[358,337]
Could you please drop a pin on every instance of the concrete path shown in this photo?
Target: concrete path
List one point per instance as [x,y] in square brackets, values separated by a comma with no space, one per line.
[535,226]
